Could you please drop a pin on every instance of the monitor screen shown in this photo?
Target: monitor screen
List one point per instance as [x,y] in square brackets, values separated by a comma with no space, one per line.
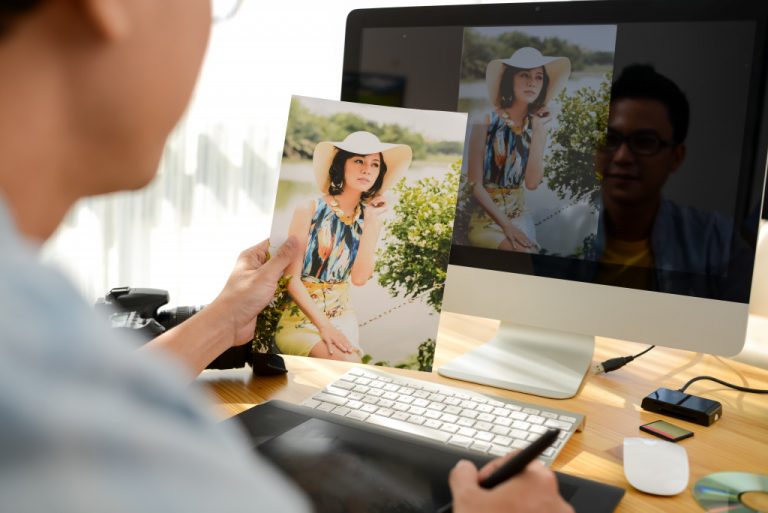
[620,145]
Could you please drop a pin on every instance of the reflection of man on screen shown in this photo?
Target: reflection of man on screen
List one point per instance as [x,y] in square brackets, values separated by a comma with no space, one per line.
[645,239]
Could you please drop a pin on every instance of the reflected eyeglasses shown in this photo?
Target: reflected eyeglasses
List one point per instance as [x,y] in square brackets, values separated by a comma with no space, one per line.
[223,10]
[644,142]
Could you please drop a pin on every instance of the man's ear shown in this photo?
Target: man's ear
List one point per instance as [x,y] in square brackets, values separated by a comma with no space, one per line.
[678,156]
[111,19]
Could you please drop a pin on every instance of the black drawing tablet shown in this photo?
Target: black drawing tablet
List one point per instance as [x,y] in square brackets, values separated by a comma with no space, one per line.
[344,466]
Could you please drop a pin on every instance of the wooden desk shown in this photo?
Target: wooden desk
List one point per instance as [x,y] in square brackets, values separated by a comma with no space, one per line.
[611,402]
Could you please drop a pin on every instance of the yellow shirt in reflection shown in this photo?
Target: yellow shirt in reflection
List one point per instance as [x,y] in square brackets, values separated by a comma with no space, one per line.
[627,264]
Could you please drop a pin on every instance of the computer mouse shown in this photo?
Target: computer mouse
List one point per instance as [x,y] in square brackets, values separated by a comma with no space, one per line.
[655,466]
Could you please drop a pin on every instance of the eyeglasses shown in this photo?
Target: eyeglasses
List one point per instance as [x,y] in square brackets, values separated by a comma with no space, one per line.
[643,142]
[223,10]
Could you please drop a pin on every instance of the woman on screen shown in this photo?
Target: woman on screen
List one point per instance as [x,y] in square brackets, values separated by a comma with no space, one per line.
[337,233]
[506,149]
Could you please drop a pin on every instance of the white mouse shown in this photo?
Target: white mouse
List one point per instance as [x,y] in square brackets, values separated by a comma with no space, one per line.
[655,466]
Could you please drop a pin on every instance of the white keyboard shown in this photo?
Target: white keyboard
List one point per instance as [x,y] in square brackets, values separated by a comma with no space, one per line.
[453,416]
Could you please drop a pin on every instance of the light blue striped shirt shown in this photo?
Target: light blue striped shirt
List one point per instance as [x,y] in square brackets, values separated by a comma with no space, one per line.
[87,424]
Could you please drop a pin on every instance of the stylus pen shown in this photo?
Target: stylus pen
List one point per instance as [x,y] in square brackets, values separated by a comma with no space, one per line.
[515,465]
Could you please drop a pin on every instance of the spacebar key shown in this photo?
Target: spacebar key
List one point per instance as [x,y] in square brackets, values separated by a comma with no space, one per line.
[413,429]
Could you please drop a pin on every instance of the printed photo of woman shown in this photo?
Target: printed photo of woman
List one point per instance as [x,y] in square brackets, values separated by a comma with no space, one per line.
[338,233]
[506,148]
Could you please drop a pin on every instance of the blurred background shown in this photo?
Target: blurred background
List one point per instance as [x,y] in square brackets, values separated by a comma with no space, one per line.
[214,192]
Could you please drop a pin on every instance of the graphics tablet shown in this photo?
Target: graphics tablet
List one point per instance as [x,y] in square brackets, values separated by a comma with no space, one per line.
[346,466]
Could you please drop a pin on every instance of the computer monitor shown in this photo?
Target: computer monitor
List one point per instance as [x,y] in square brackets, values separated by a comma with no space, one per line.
[571,276]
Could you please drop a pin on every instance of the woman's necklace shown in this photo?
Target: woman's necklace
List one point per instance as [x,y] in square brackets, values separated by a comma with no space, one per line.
[511,123]
[346,219]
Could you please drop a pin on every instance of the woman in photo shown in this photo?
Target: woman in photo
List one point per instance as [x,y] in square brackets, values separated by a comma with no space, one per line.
[506,149]
[337,233]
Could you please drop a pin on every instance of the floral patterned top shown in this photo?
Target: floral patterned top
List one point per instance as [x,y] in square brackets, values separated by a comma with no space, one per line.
[332,245]
[506,152]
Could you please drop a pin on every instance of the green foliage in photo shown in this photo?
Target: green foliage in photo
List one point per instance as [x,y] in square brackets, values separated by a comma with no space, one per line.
[306,129]
[414,259]
[266,321]
[421,360]
[581,126]
[480,49]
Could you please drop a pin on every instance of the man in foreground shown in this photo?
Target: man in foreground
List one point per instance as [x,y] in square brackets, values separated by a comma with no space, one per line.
[90,90]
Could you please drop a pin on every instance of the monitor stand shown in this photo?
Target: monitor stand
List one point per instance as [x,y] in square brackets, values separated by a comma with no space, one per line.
[535,361]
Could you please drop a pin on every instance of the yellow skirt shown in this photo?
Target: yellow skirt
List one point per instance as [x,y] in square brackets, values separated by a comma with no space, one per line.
[483,230]
[297,335]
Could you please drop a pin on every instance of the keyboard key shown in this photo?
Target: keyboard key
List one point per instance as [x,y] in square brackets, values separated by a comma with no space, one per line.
[502,440]
[531,411]
[519,433]
[485,436]
[426,432]
[498,450]
[449,428]
[460,441]
[535,419]
[483,426]
[416,419]
[465,422]
[333,399]
[484,408]
[436,406]
[520,444]
[432,423]
[357,415]
[341,410]
[485,417]
[447,417]
[568,418]
[452,409]
[369,408]
[421,394]
[465,431]
[480,446]
[500,430]
[565,426]
[326,407]
[311,403]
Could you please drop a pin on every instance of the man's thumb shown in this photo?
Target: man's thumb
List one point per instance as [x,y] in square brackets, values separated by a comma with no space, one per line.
[277,263]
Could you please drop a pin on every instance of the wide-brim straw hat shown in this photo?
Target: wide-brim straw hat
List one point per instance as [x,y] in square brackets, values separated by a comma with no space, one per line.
[396,156]
[558,69]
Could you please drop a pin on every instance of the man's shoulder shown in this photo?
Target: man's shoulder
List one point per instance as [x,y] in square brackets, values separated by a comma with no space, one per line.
[693,220]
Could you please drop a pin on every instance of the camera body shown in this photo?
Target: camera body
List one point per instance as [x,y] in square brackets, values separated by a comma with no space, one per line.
[139,310]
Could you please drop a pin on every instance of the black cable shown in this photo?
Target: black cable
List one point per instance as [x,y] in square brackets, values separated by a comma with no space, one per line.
[617,363]
[641,353]
[737,387]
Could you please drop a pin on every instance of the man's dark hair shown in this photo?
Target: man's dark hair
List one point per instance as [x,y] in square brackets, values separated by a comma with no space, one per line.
[643,81]
[337,174]
[12,9]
